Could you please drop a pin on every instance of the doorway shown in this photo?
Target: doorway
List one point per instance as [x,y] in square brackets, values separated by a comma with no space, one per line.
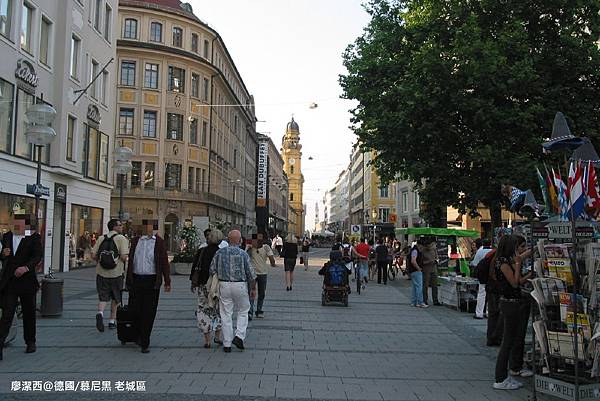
[171,222]
[58,237]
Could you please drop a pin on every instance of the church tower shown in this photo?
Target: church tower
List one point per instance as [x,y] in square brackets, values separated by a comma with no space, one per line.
[291,152]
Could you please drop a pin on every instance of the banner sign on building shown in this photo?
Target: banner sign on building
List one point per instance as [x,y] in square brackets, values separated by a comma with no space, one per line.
[262,174]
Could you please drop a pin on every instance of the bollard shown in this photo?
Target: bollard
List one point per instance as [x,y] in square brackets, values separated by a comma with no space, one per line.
[52,296]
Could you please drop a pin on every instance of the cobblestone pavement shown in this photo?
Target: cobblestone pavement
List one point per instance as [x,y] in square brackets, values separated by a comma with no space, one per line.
[378,348]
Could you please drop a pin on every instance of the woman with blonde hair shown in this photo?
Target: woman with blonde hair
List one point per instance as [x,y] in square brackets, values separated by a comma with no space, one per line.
[207,313]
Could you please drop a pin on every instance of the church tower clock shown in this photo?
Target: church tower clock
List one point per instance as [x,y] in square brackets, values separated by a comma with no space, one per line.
[291,152]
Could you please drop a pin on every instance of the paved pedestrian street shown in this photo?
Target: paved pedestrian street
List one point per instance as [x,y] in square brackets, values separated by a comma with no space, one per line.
[378,348]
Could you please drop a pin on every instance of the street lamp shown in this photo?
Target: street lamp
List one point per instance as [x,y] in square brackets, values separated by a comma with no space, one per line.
[374,216]
[122,165]
[39,133]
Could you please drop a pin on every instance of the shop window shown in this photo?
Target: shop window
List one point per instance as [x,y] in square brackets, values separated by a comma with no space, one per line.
[6,113]
[149,175]
[136,174]
[173,176]
[86,228]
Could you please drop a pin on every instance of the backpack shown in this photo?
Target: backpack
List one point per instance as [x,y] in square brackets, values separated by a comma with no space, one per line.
[411,267]
[336,274]
[482,270]
[108,253]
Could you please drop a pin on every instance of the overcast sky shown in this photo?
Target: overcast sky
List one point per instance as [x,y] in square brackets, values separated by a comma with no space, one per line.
[289,54]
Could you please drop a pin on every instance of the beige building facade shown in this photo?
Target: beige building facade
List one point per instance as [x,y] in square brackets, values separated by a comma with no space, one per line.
[183,108]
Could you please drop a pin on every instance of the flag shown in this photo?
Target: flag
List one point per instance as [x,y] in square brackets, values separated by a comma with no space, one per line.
[576,191]
[552,193]
[592,193]
[563,203]
[545,193]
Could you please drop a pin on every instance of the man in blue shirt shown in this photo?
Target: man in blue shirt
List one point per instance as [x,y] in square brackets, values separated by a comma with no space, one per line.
[235,273]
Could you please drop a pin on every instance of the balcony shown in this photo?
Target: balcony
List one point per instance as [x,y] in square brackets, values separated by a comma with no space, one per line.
[168,194]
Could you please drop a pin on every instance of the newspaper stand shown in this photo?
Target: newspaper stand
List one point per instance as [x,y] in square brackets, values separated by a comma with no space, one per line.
[566,354]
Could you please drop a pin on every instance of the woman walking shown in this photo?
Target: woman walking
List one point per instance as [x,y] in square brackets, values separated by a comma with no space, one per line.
[507,272]
[207,313]
[290,254]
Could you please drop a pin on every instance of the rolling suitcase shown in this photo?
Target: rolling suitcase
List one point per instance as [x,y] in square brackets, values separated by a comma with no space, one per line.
[127,331]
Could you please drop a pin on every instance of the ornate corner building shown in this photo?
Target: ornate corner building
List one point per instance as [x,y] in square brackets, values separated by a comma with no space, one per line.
[291,151]
[184,110]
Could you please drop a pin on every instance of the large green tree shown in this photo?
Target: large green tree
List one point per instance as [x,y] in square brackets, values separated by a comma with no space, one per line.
[458,95]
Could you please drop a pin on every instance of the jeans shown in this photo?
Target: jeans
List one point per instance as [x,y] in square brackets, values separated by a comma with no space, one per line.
[494,321]
[510,311]
[416,281]
[516,356]
[382,266]
[261,284]
[233,298]
[430,280]
[479,309]
[363,269]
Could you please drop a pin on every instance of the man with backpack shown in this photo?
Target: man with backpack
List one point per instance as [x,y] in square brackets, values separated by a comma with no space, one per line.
[485,249]
[110,252]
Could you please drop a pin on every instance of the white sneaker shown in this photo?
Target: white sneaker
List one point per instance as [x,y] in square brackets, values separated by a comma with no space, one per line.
[524,372]
[423,306]
[518,383]
[507,384]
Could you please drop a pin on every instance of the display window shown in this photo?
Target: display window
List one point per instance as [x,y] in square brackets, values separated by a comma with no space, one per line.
[86,228]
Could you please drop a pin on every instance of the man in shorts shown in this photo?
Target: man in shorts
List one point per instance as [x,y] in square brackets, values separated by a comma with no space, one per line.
[109,282]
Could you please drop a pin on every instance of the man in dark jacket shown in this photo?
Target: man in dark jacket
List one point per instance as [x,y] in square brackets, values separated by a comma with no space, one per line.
[21,253]
[147,266]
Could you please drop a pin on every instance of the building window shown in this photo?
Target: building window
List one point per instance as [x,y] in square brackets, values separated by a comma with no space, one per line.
[93,73]
[128,73]
[205,90]
[405,201]
[175,126]
[291,169]
[22,147]
[195,85]
[149,124]
[130,31]
[173,176]
[5,17]
[235,157]
[104,86]
[198,180]
[206,49]
[136,174]
[26,19]
[384,192]
[191,179]
[126,122]
[75,49]
[151,76]
[155,32]
[45,32]
[7,92]
[416,201]
[194,43]
[97,15]
[384,215]
[149,175]
[107,22]
[103,159]
[84,149]
[204,133]
[194,132]
[177,37]
[291,196]
[93,153]
[71,124]
[176,79]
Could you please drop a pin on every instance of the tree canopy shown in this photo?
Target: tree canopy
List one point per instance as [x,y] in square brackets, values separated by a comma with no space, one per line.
[458,95]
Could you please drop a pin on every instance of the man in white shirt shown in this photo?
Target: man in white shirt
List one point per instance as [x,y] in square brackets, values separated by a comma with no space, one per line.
[479,255]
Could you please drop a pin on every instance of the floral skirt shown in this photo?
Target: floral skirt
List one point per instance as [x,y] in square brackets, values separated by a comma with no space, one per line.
[208,317]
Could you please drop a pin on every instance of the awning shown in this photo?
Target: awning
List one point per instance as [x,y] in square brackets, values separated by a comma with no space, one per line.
[437,231]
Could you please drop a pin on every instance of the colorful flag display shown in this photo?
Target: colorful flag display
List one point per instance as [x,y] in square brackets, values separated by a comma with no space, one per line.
[592,193]
[576,191]
[563,200]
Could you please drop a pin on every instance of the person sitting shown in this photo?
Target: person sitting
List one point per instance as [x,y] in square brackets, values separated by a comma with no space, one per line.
[335,274]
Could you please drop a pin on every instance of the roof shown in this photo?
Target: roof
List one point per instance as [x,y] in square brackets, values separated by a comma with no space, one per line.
[292,126]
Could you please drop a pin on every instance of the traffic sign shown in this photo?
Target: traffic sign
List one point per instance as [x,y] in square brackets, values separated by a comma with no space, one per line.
[355,230]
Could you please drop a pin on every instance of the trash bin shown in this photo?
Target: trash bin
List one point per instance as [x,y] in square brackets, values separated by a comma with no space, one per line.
[52,296]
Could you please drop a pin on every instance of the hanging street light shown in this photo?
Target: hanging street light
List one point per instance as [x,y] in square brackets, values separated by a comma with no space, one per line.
[122,166]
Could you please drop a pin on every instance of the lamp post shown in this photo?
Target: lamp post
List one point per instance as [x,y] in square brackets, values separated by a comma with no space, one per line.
[122,166]
[374,218]
[39,133]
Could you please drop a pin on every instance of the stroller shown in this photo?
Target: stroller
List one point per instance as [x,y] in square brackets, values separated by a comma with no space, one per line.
[335,281]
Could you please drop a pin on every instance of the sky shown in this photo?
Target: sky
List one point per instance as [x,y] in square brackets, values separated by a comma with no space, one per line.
[289,54]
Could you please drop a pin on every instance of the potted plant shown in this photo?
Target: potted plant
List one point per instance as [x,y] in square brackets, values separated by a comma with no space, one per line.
[188,243]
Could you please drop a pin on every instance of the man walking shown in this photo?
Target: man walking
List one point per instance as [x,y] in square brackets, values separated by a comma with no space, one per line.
[481,253]
[110,252]
[429,269]
[278,244]
[381,252]
[148,265]
[259,254]
[21,253]
[236,275]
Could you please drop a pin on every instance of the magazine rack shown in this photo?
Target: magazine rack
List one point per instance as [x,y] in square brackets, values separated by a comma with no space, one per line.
[565,314]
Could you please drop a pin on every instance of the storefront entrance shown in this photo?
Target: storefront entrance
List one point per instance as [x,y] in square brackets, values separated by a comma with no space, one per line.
[86,227]
[171,223]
